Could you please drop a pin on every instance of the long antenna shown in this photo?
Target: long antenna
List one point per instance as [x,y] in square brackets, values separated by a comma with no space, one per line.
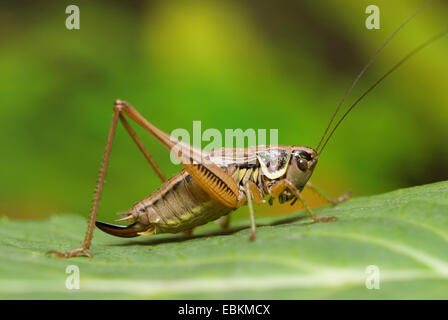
[372,59]
[409,55]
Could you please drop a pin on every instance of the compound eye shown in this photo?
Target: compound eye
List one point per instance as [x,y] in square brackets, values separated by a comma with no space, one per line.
[304,155]
[302,164]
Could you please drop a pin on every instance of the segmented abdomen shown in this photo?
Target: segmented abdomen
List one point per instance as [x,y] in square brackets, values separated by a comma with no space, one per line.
[178,205]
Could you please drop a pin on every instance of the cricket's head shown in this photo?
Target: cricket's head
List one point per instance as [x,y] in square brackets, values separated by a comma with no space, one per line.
[301,166]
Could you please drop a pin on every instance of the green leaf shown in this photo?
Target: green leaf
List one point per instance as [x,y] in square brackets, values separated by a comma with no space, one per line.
[404,233]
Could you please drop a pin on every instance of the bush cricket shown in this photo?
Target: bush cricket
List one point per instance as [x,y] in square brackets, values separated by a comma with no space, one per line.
[213,184]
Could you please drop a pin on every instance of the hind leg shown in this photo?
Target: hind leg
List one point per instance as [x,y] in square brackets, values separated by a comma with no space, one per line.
[102,175]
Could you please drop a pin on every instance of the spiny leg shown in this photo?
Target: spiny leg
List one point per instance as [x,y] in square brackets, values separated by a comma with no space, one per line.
[97,197]
[326,196]
[98,190]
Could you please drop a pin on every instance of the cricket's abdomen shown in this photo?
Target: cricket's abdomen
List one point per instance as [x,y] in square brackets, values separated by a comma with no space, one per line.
[178,205]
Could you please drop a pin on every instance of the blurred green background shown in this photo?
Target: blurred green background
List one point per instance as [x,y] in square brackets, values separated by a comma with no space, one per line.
[232,64]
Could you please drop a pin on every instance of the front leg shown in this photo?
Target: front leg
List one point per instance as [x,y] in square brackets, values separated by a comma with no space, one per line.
[280,186]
